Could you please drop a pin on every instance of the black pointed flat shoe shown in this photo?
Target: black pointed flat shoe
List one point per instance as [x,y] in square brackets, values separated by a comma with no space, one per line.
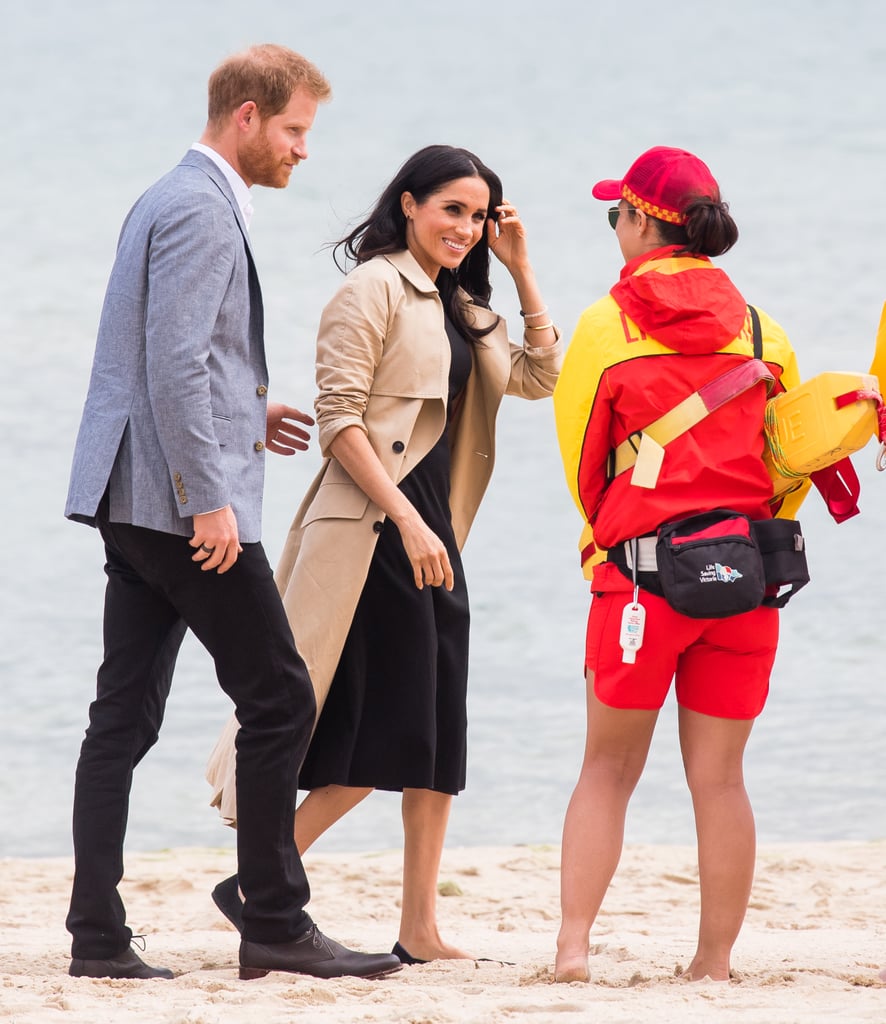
[226,896]
[405,957]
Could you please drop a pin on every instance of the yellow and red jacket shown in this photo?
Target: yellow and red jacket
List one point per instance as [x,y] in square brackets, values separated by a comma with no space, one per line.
[669,326]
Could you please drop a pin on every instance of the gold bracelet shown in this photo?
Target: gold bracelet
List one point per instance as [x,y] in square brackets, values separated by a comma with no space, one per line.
[529,316]
[541,327]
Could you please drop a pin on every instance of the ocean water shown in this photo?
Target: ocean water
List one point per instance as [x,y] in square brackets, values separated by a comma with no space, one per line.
[783,99]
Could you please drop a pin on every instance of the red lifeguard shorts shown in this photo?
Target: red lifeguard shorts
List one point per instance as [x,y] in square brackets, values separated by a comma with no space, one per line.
[721,666]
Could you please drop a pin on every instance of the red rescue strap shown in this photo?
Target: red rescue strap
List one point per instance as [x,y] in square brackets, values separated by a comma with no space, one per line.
[588,552]
[735,382]
[861,395]
[838,484]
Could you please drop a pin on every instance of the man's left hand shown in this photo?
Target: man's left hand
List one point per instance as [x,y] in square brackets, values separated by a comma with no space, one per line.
[283,436]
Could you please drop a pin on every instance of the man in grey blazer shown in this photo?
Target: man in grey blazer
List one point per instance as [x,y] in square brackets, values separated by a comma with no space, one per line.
[169,465]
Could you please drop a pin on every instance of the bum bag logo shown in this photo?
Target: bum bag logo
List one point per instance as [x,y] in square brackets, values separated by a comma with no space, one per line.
[725,574]
[717,573]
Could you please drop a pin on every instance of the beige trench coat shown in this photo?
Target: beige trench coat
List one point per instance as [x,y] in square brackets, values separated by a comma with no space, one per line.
[383,365]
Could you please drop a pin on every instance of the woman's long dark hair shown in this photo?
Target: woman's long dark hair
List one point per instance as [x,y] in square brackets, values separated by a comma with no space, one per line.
[384,230]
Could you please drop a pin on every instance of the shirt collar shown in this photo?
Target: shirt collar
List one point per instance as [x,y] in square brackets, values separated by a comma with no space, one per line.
[238,185]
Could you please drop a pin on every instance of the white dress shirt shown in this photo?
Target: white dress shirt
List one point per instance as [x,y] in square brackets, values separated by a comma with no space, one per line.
[238,185]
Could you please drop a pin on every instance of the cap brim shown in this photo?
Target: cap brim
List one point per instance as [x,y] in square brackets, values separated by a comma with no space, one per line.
[609,189]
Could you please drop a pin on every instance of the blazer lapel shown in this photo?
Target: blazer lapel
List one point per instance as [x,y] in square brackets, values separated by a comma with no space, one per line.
[212,171]
[197,159]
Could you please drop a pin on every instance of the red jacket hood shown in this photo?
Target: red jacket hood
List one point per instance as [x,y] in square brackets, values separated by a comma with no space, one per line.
[688,304]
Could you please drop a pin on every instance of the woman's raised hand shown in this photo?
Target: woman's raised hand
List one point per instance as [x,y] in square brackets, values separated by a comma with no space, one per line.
[507,236]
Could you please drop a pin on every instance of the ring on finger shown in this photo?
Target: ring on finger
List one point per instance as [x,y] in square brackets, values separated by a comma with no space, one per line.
[208,551]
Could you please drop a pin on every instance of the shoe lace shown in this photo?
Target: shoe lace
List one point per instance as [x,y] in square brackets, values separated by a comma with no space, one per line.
[140,941]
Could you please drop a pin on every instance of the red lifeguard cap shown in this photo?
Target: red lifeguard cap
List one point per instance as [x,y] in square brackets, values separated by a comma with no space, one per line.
[662,182]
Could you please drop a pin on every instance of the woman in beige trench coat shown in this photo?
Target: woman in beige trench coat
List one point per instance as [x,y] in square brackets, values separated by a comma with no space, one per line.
[387,409]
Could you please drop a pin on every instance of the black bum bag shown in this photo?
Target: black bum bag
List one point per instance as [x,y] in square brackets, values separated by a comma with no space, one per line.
[721,563]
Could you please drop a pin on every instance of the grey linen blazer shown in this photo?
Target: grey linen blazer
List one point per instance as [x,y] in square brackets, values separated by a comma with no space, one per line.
[175,417]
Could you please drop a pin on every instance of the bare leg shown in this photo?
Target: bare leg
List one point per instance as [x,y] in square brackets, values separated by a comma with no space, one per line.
[321,809]
[593,833]
[425,817]
[713,749]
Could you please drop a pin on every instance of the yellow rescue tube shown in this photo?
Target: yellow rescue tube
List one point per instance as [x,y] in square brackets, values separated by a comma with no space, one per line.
[878,366]
[806,431]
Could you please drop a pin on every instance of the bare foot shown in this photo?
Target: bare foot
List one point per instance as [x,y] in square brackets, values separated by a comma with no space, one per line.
[696,973]
[571,968]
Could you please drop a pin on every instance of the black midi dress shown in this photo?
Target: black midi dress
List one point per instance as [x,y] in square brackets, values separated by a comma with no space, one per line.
[396,714]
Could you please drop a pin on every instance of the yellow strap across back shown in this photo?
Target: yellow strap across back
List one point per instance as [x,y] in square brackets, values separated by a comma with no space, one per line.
[665,429]
[644,450]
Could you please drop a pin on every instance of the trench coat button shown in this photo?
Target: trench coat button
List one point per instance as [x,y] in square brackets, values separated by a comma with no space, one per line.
[261,390]
[398,446]
[259,446]
[378,526]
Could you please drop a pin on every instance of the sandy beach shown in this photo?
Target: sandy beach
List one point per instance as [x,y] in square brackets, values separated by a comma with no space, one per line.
[813,945]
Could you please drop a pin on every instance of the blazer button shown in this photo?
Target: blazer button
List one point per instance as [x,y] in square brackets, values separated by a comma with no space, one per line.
[182,500]
[378,526]
[259,446]
[261,390]
[177,477]
[398,447]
